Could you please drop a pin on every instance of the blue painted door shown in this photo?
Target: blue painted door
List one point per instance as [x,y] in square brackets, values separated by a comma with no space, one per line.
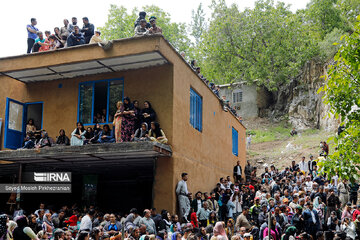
[14,123]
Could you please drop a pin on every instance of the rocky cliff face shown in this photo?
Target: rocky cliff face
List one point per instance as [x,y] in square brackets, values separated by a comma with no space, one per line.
[299,102]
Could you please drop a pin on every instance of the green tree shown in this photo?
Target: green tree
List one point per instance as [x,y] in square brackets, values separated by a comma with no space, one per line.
[324,16]
[342,93]
[349,10]
[120,24]
[198,24]
[268,44]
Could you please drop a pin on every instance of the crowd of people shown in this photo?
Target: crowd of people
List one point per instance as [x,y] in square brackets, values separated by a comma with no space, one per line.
[293,203]
[130,123]
[71,35]
[298,203]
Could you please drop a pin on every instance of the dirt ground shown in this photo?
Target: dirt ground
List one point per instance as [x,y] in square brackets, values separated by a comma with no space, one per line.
[285,148]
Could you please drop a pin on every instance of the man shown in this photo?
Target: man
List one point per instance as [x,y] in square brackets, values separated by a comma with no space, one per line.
[86,221]
[141,29]
[248,141]
[242,220]
[66,29]
[248,170]
[154,29]
[354,188]
[75,38]
[242,232]
[311,163]
[41,208]
[294,166]
[237,172]
[88,30]
[32,34]
[183,197]
[343,189]
[303,165]
[40,43]
[155,217]
[148,222]
[255,211]
[96,39]
[203,214]
[74,21]
[263,216]
[142,15]
[212,203]
[311,219]
[197,202]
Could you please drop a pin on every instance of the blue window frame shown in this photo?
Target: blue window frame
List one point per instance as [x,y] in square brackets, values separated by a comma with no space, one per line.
[235,142]
[195,110]
[97,100]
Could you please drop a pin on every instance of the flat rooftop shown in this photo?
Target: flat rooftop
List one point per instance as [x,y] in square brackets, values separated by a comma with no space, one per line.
[91,157]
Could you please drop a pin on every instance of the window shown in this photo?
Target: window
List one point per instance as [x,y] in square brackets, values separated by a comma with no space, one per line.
[97,100]
[235,142]
[237,96]
[195,110]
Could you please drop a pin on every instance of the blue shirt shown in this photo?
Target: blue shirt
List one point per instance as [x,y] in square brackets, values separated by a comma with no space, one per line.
[30,34]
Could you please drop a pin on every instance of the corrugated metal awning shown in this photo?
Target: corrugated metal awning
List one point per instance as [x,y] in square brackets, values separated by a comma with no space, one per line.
[91,67]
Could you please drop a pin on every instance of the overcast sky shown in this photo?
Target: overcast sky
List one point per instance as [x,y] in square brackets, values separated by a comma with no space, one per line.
[16,14]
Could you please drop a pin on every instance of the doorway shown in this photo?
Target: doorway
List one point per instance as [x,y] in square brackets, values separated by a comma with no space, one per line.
[16,117]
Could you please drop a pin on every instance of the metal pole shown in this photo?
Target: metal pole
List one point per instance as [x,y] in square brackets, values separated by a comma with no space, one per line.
[269,224]
[18,194]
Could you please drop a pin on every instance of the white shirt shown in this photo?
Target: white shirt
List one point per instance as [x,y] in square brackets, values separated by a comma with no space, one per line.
[199,203]
[304,166]
[86,223]
[238,172]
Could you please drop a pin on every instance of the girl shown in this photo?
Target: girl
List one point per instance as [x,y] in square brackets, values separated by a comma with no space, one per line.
[78,135]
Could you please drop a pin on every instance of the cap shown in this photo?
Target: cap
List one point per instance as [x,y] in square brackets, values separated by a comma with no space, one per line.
[152,18]
[285,200]
[348,204]
[257,198]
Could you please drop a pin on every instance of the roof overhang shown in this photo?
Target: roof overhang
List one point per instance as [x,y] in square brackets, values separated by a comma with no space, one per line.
[90,67]
[97,157]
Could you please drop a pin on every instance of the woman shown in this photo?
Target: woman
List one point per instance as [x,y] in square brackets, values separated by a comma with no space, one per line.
[88,135]
[349,227]
[194,222]
[148,114]
[42,235]
[78,135]
[44,141]
[236,198]
[176,236]
[156,134]
[47,225]
[274,231]
[138,116]
[62,139]
[33,224]
[212,219]
[320,208]
[230,228]
[60,43]
[23,231]
[30,127]
[140,134]
[11,226]
[113,227]
[298,220]
[219,232]
[117,121]
[97,131]
[83,236]
[165,223]
[333,222]
[128,120]
[175,221]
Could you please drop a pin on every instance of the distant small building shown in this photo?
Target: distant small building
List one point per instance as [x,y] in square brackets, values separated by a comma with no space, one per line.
[248,100]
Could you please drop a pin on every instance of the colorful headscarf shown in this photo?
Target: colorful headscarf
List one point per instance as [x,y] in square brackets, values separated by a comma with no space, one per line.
[219,230]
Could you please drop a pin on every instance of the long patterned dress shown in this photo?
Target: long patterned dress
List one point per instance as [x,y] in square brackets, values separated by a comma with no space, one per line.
[117,124]
[127,126]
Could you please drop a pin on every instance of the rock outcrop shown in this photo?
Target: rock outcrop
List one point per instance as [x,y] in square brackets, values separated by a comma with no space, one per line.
[299,102]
